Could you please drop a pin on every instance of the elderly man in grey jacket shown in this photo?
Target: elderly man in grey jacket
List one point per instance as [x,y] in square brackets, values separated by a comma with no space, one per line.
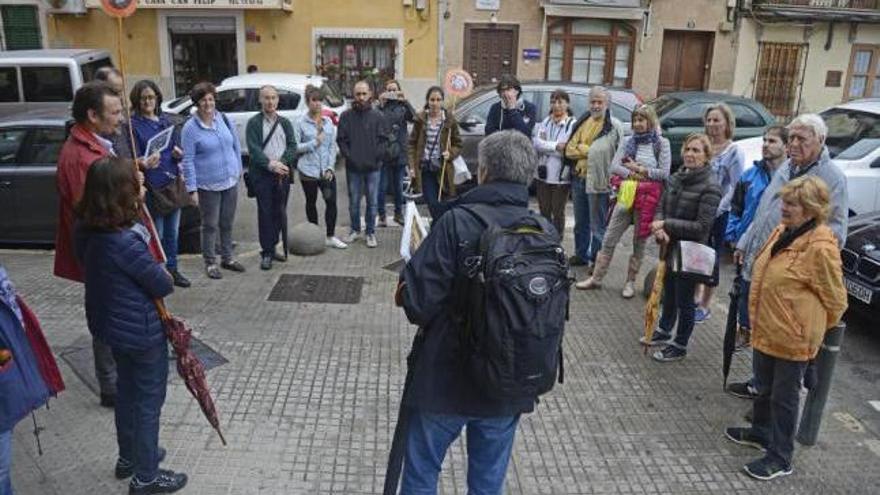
[808,155]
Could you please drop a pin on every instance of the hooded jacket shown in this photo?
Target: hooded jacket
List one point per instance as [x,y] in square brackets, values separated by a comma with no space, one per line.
[796,295]
[522,118]
[439,382]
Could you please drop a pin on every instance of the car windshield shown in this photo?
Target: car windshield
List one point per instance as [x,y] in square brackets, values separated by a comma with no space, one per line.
[331,96]
[860,149]
[178,101]
[664,104]
[847,127]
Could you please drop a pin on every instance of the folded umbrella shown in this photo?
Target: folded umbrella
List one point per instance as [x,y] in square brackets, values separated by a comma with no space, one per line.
[652,307]
[189,367]
[731,328]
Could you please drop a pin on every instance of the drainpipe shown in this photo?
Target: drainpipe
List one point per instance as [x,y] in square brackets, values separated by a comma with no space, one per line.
[442,11]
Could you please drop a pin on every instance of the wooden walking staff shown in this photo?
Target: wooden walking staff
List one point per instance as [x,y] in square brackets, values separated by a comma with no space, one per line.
[457,84]
[121,9]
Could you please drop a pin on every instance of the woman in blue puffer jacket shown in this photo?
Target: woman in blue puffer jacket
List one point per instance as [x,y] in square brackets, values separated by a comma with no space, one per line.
[122,281]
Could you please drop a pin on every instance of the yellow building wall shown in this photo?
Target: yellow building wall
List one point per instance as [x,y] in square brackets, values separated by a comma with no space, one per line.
[285,38]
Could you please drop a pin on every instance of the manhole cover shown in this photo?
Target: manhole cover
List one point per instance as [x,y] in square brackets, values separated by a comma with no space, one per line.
[395,267]
[80,358]
[317,289]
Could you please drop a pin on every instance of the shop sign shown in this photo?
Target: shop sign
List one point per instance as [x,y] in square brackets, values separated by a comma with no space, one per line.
[206,4]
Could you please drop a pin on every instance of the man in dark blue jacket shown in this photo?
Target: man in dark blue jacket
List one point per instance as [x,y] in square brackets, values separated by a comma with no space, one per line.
[512,112]
[441,397]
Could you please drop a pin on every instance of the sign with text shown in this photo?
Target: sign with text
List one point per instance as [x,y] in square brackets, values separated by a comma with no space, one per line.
[531,54]
[204,4]
[488,4]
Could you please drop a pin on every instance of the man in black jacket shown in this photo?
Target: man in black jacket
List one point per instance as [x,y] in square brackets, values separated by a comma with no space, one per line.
[441,397]
[362,141]
[512,112]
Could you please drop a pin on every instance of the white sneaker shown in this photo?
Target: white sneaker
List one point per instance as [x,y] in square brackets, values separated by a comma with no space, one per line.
[353,236]
[334,242]
[629,290]
[371,241]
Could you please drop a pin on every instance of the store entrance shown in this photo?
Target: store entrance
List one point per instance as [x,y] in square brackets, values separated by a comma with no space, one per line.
[202,51]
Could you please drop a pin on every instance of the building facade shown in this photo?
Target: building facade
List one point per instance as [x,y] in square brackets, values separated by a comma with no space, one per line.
[180,42]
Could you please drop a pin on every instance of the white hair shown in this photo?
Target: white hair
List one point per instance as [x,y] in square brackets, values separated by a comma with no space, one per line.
[600,91]
[812,121]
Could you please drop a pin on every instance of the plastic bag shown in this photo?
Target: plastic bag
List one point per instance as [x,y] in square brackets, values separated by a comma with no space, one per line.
[626,195]
[414,230]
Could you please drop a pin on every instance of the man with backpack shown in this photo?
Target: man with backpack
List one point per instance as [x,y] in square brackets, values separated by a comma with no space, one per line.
[488,288]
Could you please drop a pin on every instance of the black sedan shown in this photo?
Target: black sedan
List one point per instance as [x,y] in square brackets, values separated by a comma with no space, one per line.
[861,262]
[29,147]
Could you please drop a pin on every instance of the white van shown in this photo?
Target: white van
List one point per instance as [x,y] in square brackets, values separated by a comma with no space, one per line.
[33,79]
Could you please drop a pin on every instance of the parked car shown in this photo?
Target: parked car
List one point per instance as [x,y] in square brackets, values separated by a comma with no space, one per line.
[239,98]
[854,145]
[861,262]
[681,114]
[36,79]
[29,146]
[472,111]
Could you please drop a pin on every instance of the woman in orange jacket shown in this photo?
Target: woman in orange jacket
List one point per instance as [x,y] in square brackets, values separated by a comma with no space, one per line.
[797,293]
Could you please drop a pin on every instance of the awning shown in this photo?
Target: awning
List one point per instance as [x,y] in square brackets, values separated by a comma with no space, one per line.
[597,10]
[207,4]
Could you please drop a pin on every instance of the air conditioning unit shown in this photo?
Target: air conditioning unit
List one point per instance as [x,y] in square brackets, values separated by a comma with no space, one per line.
[65,6]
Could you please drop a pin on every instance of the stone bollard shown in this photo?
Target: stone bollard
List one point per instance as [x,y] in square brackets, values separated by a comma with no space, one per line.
[814,406]
[306,239]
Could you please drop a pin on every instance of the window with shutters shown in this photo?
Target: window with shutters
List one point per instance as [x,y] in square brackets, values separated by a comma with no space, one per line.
[21,27]
[864,72]
[591,51]
[345,61]
[779,75]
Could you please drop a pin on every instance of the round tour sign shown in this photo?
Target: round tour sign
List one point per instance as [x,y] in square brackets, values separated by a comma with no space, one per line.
[119,8]
[458,83]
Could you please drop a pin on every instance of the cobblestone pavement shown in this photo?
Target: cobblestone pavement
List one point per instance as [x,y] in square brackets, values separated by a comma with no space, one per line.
[309,397]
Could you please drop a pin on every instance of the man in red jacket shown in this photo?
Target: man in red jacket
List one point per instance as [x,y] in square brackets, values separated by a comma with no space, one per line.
[97,111]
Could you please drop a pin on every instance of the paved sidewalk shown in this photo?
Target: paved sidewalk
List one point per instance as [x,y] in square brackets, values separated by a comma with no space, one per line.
[309,397]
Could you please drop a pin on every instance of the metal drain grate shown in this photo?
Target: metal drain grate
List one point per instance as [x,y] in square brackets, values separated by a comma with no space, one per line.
[317,289]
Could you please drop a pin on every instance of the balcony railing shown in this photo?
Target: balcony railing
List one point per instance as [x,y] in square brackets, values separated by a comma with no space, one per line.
[821,4]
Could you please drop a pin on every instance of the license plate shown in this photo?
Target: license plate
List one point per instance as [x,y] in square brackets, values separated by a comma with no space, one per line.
[858,290]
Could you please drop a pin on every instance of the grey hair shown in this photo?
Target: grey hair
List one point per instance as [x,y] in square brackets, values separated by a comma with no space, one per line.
[600,90]
[507,156]
[812,121]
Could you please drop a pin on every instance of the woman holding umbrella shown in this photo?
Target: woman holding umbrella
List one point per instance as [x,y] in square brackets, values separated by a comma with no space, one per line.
[797,293]
[687,210]
[122,280]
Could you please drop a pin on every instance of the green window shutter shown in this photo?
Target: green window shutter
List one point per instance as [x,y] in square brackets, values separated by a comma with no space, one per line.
[21,27]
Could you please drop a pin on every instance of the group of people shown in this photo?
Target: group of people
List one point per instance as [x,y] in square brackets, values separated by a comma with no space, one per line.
[120,210]
[785,219]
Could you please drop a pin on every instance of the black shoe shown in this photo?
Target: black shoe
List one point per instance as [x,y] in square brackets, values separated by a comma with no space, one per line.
[744,436]
[179,279]
[233,266]
[657,339]
[166,482]
[266,262]
[743,390]
[766,469]
[281,258]
[108,401]
[669,354]
[576,261]
[125,469]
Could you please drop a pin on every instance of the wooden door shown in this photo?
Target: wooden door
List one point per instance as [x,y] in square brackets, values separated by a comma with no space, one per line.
[779,75]
[490,51]
[685,62]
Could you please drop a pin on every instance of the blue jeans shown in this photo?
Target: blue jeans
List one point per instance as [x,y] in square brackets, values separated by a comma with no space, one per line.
[167,228]
[774,414]
[358,184]
[489,443]
[142,381]
[392,176]
[678,304]
[5,462]
[590,214]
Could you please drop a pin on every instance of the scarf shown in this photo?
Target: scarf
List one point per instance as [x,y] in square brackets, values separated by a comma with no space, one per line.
[790,235]
[632,145]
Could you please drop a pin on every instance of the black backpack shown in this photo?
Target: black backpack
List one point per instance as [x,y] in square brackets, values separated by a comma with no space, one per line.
[512,294]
